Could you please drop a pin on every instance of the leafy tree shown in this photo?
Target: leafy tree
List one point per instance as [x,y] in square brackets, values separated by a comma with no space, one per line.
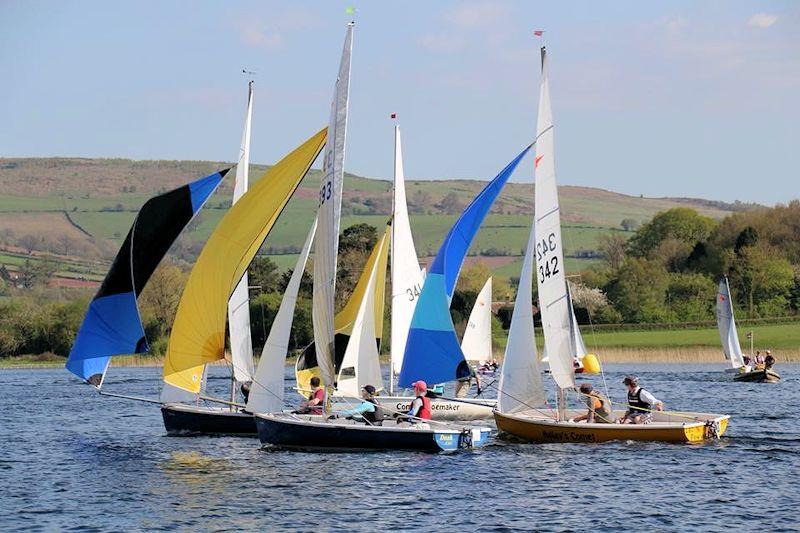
[37,273]
[639,290]
[159,300]
[612,245]
[264,273]
[680,223]
[690,297]
[451,204]
[747,237]
[358,238]
[762,274]
[629,224]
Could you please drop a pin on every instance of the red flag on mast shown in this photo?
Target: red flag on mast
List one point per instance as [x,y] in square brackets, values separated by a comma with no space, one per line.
[538,33]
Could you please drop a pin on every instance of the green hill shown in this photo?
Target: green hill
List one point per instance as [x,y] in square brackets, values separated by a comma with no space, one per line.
[82,208]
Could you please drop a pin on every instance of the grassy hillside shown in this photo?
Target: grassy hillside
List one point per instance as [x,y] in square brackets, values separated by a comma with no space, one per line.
[82,209]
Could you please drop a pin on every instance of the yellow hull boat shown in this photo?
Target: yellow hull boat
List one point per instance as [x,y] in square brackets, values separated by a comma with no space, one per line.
[539,426]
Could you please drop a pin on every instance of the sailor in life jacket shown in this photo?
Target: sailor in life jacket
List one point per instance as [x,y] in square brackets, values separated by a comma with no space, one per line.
[421,405]
[599,406]
[368,410]
[640,403]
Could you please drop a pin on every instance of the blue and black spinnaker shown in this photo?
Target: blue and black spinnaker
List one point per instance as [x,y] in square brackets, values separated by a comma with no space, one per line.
[112,325]
[433,353]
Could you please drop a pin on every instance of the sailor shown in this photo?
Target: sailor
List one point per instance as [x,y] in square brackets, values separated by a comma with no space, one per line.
[368,410]
[599,406]
[316,400]
[421,405]
[640,403]
[769,360]
[759,358]
[465,375]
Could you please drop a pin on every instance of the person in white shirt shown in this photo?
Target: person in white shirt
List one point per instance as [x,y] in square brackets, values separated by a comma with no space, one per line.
[640,403]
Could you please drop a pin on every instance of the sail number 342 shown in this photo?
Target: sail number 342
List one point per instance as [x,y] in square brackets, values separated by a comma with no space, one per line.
[547,266]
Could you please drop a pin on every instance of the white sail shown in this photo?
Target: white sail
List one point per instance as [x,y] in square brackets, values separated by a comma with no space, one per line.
[477,341]
[326,245]
[520,376]
[577,338]
[406,274]
[266,393]
[239,302]
[727,326]
[360,364]
[553,297]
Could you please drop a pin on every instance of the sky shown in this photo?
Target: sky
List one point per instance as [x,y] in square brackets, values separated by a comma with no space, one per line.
[679,98]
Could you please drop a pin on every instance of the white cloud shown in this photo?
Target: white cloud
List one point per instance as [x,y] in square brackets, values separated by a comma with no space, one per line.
[269,33]
[762,20]
[442,42]
[471,15]
[259,37]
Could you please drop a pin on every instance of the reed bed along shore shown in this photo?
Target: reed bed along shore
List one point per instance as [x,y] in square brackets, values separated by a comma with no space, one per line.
[627,355]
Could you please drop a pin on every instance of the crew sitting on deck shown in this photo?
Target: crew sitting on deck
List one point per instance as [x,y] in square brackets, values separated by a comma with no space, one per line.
[421,405]
[640,403]
[769,360]
[759,358]
[599,406]
[316,400]
[368,410]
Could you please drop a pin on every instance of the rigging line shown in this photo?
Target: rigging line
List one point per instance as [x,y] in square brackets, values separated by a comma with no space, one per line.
[670,413]
[522,402]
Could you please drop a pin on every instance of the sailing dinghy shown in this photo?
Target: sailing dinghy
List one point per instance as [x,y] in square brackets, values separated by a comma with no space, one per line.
[522,412]
[726,324]
[317,432]
[477,341]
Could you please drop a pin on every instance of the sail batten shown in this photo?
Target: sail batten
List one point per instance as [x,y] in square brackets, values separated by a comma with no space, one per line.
[198,333]
[406,273]
[433,353]
[112,325]
[326,244]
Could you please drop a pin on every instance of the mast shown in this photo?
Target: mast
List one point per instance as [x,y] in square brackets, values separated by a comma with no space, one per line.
[553,290]
[326,244]
[239,302]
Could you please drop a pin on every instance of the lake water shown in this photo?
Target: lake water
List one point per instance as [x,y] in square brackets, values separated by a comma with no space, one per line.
[70,459]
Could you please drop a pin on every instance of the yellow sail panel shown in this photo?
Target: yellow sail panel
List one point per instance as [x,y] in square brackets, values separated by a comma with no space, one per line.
[343,321]
[198,333]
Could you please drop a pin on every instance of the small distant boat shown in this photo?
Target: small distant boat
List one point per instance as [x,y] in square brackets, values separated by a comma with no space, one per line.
[726,324]
[522,413]
[477,341]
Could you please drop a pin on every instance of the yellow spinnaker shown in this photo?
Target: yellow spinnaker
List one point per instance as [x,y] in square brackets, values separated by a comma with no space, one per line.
[343,321]
[198,333]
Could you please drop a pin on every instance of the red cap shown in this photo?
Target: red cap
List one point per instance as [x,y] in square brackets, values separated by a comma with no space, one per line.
[420,385]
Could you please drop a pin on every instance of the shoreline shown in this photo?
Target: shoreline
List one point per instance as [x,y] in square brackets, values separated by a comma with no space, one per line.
[616,355]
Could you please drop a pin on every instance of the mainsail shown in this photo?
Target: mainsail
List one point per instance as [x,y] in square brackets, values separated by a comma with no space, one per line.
[477,341]
[198,333]
[112,325]
[727,325]
[553,296]
[345,320]
[360,365]
[239,302]
[433,353]
[326,245]
[406,274]
[266,393]
[520,377]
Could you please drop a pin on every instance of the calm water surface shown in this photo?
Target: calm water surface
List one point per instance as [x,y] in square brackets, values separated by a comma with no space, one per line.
[70,459]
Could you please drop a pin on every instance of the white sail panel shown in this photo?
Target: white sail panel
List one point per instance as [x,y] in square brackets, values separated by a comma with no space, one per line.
[326,245]
[266,393]
[727,326]
[477,341]
[553,297]
[406,274]
[521,384]
[577,338]
[239,302]
[361,364]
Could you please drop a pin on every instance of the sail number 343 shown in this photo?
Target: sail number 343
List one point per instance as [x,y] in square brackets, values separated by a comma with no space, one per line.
[547,266]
